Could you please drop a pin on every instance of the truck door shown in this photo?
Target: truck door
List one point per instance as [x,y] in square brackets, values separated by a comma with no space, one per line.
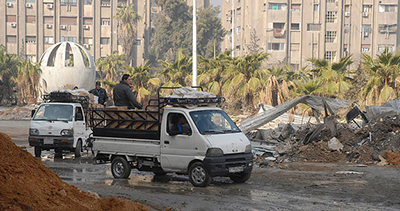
[177,143]
[79,124]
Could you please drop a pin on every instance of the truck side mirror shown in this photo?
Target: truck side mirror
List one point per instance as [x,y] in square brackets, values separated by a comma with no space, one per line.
[33,112]
[174,133]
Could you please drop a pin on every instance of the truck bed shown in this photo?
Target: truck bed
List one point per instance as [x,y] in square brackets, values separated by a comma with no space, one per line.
[123,146]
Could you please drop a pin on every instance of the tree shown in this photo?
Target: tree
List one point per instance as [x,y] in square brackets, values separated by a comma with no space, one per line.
[177,73]
[382,73]
[8,70]
[173,31]
[27,81]
[111,67]
[253,47]
[127,18]
[141,79]
[331,76]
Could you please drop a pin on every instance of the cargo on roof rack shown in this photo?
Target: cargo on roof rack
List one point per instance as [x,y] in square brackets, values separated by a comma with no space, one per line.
[66,97]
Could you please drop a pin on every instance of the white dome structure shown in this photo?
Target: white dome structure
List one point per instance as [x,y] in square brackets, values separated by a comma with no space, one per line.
[67,64]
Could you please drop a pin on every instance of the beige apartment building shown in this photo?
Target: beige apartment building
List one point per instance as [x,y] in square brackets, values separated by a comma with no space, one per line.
[293,31]
[29,27]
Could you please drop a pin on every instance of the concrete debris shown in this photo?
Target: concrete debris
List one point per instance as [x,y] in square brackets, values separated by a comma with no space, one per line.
[349,172]
[391,107]
[335,145]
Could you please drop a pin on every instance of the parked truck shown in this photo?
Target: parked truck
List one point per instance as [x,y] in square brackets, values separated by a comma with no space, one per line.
[210,146]
[60,123]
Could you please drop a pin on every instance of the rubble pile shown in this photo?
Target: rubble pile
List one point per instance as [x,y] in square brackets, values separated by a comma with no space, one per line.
[17,113]
[26,184]
[375,142]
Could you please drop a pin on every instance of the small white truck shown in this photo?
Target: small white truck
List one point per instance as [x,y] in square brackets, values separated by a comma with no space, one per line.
[60,124]
[207,143]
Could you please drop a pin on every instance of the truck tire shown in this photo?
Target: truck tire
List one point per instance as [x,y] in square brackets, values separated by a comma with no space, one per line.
[38,151]
[198,175]
[120,168]
[78,149]
[58,153]
[240,178]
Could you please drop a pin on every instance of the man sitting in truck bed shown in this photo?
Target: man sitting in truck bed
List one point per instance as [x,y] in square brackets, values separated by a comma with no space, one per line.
[123,95]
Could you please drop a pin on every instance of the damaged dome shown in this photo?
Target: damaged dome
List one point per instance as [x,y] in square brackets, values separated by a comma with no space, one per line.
[67,64]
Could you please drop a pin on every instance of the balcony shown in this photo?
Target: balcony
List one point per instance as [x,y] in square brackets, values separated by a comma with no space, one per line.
[279,33]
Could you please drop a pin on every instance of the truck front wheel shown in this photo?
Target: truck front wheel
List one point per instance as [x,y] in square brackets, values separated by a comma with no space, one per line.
[38,151]
[198,175]
[120,168]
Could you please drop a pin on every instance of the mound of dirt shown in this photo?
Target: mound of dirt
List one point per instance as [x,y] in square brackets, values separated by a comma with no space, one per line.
[26,184]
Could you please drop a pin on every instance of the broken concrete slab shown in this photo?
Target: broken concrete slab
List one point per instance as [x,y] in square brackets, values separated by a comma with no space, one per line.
[390,107]
[335,145]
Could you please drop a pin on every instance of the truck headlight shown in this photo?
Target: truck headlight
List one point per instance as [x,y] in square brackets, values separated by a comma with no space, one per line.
[33,131]
[214,152]
[67,132]
[248,149]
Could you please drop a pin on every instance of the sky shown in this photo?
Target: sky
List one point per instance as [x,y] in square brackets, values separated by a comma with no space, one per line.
[216,3]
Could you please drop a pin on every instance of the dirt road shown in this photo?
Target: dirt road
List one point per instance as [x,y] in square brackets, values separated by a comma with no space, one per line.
[292,186]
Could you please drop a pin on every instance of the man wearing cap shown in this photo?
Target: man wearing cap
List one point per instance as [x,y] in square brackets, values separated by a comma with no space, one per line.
[100,93]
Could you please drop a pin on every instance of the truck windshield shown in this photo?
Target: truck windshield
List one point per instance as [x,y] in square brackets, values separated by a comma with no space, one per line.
[213,121]
[54,113]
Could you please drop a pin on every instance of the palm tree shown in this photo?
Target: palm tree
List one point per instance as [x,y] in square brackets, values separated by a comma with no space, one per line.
[177,73]
[8,70]
[109,68]
[245,77]
[382,73]
[332,77]
[127,18]
[141,79]
[28,81]
[212,72]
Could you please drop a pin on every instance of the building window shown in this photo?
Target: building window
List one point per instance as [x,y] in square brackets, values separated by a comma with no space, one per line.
[387,8]
[365,48]
[277,6]
[139,42]
[48,20]
[30,1]
[295,26]
[105,3]
[11,19]
[367,8]
[330,55]
[313,27]
[316,7]
[68,2]
[346,28]
[331,16]
[32,58]
[382,48]
[11,39]
[265,7]
[88,40]
[87,21]
[49,40]
[69,39]
[105,21]
[366,30]
[238,29]
[295,46]
[295,7]
[30,39]
[30,19]
[87,2]
[387,29]
[11,1]
[330,36]
[330,1]
[276,46]
[68,21]
[105,40]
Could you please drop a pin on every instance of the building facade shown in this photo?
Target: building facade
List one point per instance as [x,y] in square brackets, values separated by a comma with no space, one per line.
[29,27]
[293,31]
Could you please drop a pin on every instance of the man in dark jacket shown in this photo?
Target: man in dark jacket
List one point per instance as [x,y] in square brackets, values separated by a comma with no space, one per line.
[100,93]
[123,95]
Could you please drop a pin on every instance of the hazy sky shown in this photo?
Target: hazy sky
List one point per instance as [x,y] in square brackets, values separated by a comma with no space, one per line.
[216,2]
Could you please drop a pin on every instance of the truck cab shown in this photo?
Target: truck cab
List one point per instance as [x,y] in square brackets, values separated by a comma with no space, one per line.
[59,126]
[184,136]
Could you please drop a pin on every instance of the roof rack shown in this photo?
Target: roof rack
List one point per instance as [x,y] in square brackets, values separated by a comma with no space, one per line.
[66,97]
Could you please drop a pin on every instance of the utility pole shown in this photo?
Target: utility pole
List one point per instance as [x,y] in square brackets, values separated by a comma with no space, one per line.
[233,29]
[194,63]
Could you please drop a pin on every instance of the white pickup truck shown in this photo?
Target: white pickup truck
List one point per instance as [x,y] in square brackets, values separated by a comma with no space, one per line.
[206,144]
[60,124]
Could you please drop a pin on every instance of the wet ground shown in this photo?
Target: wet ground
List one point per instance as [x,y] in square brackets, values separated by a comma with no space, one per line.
[291,186]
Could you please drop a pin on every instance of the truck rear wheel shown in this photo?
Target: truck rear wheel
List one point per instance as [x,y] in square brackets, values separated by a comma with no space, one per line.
[78,149]
[38,151]
[240,178]
[120,168]
[198,175]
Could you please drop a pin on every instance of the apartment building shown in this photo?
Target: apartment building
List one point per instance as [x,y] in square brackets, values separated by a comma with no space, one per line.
[29,27]
[293,31]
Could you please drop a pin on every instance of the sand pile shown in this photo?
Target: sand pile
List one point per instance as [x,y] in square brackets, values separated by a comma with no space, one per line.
[26,184]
